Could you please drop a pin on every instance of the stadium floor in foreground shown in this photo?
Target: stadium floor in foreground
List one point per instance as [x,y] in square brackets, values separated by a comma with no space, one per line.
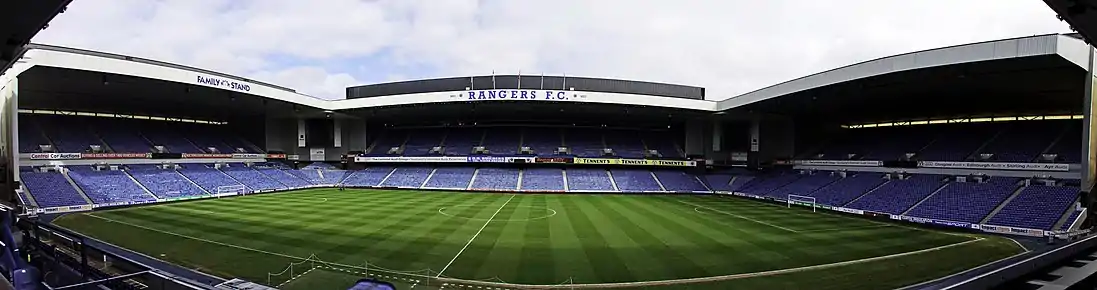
[545,239]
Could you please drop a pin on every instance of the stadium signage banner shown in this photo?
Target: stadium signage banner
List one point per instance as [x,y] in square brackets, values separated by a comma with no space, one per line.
[398,159]
[996,165]
[517,95]
[838,162]
[64,209]
[54,156]
[848,210]
[1010,230]
[116,155]
[553,160]
[224,83]
[641,162]
[276,156]
[936,222]
[250,156]
[487,159]
[206,155]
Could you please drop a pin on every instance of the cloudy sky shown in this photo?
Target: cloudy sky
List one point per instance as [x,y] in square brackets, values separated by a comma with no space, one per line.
[731,47]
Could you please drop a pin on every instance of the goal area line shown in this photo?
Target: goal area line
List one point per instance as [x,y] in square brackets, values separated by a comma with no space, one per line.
[591,285]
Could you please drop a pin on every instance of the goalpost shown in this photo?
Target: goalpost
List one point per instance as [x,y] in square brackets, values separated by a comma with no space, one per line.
[239,189]
[801,200]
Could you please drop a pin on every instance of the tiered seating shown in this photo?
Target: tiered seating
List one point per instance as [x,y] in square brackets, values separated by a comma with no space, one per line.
[496,179]
[503,140]
[372,176]
[897,196]
[1069,146]
[408,177]
[167,135]
[333,176]
[585,142]
[847,189]
[543,141]
[164,183]
[634,180]
[30,136]
[958,141]
[120,140]
[543,179]
[51,189]
[252,178]
[719,181]
[283,177]
[460,141]
[805,185]
[1070,220]
[422,140]
[1036,207]
[108,186]
[450,178]
[1023,141]
[208,178]
[69,134]
[625,144]
[766,184]
[207,139]
[892,143]
[581,179]
[391,138]
[309,174]
[680,181]
[968,202]
[664,143]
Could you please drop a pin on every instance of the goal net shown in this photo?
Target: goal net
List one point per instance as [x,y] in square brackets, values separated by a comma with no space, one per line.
[231,189]
[801,200]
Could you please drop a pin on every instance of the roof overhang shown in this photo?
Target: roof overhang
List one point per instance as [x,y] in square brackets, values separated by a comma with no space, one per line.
[1071,49]
[20,21]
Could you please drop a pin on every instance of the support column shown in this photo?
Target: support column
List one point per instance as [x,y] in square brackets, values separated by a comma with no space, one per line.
[301,133]
[9,116]
[1089,137]
[717,135]
[695,137]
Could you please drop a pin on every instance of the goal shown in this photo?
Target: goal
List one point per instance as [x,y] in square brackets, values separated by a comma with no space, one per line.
[231,189]
[801,200]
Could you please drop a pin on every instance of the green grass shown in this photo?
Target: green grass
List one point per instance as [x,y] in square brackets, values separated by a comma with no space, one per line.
[533,239]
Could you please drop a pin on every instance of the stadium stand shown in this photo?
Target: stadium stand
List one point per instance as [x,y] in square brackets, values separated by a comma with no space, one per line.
[164,183]
[289,180]
[543,141]
[371,176]
[898,195]
[51,189]
[389,139]
[804,185]
[763,185]
[108,186]
[1023,141]
[420,142]
[407,177]
[635,180]
[495,179]
[1036,207]
[252,178]
[543,179]
[968,202]
[502,140]
[460,141]
[662,142]
[584,179]
[625,143]
[584,142]
[844,190]
[208,178]
[679,181]
[450,178]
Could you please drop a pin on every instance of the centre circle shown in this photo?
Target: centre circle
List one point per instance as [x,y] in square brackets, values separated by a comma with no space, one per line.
[536,213]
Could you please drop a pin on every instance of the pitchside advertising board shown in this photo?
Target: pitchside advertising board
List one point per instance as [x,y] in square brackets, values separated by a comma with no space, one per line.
[75,156]
[944,164]
[499,159]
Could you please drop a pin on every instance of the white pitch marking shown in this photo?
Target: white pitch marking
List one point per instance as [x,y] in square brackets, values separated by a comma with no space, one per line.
[739,216]
[474,237]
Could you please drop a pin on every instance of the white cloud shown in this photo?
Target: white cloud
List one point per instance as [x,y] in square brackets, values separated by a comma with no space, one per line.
[729,47]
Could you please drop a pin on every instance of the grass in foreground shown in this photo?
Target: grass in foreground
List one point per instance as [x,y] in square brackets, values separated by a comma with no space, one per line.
[533,239]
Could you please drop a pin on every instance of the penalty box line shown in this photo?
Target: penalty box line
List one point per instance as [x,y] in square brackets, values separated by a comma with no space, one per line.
[238,246]
[741,217]
[474,236]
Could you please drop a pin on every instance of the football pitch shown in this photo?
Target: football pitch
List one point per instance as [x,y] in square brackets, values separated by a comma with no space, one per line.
[447,240]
